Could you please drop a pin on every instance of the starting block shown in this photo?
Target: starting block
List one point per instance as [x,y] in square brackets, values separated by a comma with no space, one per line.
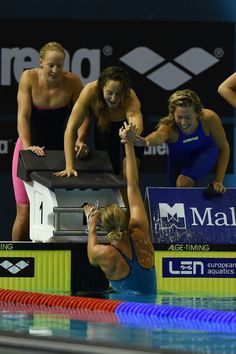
[56,203]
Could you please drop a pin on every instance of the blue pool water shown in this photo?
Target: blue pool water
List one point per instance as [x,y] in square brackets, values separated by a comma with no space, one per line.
[170,333]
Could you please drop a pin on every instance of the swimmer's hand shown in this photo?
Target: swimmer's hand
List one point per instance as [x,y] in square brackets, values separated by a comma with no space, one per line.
[81,149]
[68,172]
[127,133]
[92,214]
[37,150]
[214,189]
[218,187]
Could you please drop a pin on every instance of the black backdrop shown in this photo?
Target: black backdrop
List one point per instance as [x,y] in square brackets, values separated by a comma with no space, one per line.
[95,44]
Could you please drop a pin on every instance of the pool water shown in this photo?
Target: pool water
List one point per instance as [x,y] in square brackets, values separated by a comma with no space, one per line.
[142,331]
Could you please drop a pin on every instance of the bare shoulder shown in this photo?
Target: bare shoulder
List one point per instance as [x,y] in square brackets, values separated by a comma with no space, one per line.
[133,96]
[91,86]
[30,74]
[88,93]
[29,77]
[168,132]
[209,116]
[70,76]
[110,251]
[133,93]
[211,122]
[132,103]
[166,128]
[105,254]
[72,80]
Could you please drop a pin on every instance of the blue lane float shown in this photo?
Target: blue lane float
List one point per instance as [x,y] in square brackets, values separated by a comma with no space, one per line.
[165,316]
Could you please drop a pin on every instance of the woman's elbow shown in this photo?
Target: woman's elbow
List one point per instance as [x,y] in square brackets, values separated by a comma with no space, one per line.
[93,262]
[220,90]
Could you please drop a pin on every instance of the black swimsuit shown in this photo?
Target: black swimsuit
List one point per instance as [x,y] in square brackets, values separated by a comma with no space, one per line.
[109,141]
[47,127]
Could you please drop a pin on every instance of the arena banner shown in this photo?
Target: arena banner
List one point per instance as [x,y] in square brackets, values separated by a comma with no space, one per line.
[188,216]
[159,57]
[19,269]
[60,267]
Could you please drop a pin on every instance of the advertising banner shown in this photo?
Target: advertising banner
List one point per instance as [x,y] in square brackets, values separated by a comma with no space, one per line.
[160,57]
[206,273]
[187,216]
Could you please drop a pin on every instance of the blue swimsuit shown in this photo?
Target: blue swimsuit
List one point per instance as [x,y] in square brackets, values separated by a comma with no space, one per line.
[139,279]
[192,155]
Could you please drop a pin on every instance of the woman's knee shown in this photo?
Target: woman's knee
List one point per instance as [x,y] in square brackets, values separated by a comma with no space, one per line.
[184,181]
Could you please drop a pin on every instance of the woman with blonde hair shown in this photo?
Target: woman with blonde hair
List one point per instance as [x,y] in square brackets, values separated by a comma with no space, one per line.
[128,259]
[45,97]
[196,141]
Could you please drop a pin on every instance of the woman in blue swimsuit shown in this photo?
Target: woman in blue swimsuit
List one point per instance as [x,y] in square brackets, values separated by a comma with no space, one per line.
[196,141]
[128,259]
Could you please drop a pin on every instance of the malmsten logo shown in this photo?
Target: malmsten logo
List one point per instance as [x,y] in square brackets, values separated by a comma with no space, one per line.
[16,267]
[169,75]
[175,216]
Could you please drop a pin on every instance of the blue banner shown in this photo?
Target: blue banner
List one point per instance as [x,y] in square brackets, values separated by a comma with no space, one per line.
[198,267]
[188,216]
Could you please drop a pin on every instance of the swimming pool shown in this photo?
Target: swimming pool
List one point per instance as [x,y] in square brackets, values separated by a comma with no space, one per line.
[194,324]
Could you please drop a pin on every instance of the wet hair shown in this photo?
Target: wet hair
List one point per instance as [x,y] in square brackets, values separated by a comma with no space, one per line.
[114,73]
[183,98]
[113,220]
[50,46]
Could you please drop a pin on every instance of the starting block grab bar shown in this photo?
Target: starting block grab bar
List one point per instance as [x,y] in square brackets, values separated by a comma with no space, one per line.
[81,231]
[58,223]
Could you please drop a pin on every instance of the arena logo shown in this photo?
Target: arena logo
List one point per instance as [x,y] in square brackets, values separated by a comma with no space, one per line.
[15,60]
[175,216]
[14,268]
[169,76]
[142,59]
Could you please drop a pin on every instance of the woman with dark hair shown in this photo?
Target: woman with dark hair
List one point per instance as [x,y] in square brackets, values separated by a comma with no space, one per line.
[111,100]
